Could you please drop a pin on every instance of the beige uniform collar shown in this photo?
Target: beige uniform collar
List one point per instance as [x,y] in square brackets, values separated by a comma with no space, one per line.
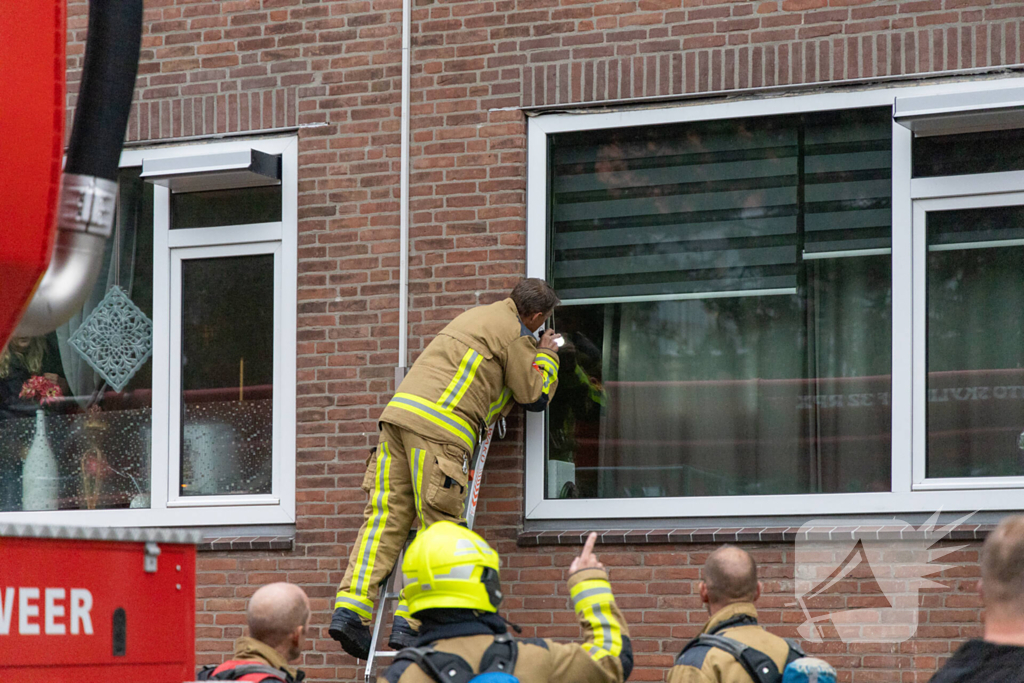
[728,612]
[250,649]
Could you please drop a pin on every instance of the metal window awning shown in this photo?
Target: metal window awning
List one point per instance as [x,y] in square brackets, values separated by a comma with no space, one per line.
[965,112]
[227,170]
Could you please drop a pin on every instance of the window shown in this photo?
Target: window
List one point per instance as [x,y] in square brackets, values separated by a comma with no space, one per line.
[726,286]
[773,309]
[177,379]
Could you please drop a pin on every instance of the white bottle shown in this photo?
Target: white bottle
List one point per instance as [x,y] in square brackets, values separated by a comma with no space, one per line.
[39,478]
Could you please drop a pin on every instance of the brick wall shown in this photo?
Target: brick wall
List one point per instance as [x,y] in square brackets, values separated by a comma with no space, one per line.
[333,68]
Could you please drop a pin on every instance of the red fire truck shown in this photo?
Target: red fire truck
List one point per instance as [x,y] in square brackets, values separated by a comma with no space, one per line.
[76,604]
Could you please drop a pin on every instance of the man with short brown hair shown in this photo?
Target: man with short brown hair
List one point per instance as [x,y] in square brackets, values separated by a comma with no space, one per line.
[729,589]
[999,656]
[470,375]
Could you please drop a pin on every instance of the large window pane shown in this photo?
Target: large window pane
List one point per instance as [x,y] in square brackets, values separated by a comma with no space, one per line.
[975,343]
[90,448]
[728,308]
[227,370]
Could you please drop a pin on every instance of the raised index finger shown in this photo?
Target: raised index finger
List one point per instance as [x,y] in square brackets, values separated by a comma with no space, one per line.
[588,547]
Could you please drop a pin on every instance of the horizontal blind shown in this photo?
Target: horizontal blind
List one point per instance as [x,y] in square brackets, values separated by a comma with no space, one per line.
[707,207]
[665,211]
[848,181]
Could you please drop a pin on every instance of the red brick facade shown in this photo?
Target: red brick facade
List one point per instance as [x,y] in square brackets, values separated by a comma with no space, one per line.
[332,68]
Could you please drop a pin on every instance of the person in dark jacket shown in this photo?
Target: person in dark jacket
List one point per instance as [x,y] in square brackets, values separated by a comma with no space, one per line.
[999,656]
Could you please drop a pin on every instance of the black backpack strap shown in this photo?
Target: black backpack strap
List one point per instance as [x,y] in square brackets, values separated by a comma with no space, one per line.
[442,667]
[795,651]
[757,664]
[205,672]
[500,655]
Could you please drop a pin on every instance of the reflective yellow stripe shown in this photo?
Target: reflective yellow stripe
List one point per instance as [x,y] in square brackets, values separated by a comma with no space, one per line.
[360,606]
[473,365]
[374,529]
[592,601]
[418,461]
[548,367]
[431,412]
[403,609]
[543,359]
[499,404]
[461,381]
[585,593]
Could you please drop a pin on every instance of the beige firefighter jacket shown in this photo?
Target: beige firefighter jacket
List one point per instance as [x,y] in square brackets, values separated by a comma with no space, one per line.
[712,665]
[469,375]
[605,656]
[256,651]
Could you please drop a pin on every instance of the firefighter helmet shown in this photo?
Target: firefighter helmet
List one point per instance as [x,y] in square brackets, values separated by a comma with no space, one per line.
[449,566]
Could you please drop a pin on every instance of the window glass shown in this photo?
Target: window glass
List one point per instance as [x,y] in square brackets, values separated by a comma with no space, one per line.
[975,343]
[727,306]
[227,370]
[68,438]
[241,206]
[1001,150]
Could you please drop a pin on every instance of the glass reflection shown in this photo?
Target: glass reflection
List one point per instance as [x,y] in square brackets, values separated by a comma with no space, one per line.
[975,343]
[227,375]
[729,308]
[67,439]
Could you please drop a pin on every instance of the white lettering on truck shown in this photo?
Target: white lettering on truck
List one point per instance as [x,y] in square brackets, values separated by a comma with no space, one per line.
[81,605]
[27,610]
[54,611]
[6,610]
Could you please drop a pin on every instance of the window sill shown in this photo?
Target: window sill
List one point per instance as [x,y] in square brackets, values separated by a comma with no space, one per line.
[221,543]
[749,534]
[247,537]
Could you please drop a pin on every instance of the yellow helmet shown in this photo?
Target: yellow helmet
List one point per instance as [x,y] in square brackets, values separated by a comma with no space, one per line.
[447,566]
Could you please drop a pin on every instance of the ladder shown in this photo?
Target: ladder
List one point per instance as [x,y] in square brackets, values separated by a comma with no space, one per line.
[392,585]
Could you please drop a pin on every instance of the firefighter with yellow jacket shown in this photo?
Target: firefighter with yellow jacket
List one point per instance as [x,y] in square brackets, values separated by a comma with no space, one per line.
[453,587]
[471,374]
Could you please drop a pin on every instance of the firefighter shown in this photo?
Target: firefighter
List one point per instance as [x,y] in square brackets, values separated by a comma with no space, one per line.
[471,374]
[452,586]
[278,618]
[730,588]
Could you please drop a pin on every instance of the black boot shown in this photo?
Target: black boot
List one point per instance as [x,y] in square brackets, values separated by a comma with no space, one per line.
[348,629]
[402,634]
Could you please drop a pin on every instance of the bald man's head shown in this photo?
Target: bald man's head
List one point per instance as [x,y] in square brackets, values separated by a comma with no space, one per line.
[730,575]
[1002,567]
[276,611]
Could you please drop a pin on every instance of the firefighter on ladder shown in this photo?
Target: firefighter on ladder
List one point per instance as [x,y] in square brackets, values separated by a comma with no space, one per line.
[468,376]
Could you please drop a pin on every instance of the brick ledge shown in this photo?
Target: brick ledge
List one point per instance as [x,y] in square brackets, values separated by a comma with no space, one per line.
[766,534]
[216,543]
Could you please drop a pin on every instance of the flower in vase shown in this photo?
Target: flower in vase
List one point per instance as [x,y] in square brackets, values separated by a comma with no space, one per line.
[40,388]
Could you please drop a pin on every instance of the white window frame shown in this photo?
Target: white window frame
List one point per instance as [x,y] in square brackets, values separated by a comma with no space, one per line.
[170,247]
[940,194]
[910,492]
[178,257]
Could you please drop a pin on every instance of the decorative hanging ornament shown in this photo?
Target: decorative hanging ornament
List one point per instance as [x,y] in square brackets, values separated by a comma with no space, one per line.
[116,339]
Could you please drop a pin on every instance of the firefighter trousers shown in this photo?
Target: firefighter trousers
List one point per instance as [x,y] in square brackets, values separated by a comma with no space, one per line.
[407,478]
